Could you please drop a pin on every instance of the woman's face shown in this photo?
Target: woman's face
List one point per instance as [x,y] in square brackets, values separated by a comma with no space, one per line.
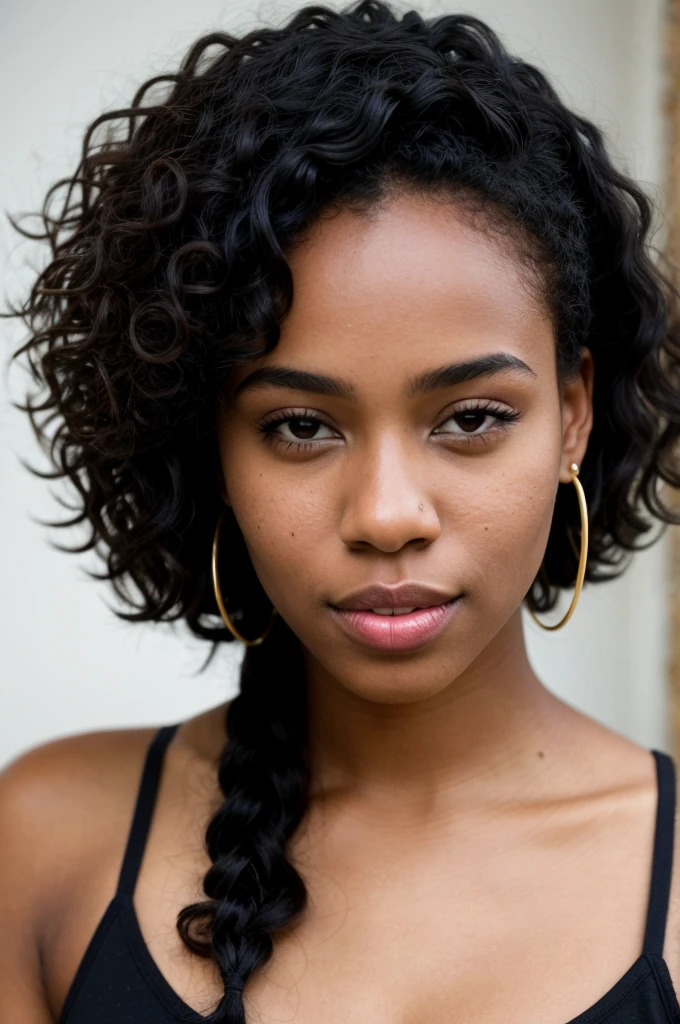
[408,429]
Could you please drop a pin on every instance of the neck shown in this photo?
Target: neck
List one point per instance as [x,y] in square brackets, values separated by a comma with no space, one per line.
[482,735]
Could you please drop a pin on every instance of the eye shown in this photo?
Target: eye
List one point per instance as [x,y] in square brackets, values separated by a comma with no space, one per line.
[477,419]
[470,422]
[299,430]
[303,428]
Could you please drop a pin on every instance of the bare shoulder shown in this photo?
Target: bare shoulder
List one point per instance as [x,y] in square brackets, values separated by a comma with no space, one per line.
[79,791]
[671,948]
[53,778]
[64,790]
[66,808]
[57,801]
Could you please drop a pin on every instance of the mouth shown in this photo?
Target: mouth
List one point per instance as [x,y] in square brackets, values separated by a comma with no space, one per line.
[395,628]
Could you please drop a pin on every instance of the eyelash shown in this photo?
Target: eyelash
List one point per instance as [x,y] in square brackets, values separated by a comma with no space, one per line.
[504,417]
[269,426]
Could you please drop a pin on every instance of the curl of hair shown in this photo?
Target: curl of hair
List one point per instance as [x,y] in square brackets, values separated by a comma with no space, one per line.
[168,267]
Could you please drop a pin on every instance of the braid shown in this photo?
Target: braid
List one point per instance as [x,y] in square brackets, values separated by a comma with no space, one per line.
[252,889]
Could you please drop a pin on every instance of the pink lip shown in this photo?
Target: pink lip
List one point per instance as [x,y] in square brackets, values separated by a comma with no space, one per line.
[395,632]
[408,594]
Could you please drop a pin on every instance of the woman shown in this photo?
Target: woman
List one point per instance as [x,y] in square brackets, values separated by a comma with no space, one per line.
[332,335]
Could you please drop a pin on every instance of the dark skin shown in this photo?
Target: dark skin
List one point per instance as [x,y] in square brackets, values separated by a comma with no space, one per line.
[476,849]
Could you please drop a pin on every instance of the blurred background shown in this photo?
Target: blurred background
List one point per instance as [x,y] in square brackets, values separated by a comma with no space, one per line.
[67,664]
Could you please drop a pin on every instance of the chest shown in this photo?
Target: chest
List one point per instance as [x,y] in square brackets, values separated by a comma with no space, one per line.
[495,921]
[476,929]
[494,950]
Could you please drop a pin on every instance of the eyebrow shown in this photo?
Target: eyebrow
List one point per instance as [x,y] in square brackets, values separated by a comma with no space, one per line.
[297,380]
[431,380]
[459,373]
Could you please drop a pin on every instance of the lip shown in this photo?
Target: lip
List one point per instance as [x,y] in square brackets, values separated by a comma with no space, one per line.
[403,632]
[397,595]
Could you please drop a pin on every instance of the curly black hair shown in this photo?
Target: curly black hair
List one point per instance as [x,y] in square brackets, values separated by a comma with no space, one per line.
[168,267]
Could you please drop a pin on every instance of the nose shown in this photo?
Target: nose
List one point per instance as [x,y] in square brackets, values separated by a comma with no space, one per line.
[387,504]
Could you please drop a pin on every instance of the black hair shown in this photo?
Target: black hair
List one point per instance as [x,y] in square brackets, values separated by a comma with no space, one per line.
[168,266]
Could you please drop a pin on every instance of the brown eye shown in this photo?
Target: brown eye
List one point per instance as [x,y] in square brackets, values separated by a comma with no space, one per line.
[470,421]
[477,421]
[303,429]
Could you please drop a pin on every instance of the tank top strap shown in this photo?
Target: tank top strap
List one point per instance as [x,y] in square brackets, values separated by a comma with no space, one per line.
[662,858]
[143,813]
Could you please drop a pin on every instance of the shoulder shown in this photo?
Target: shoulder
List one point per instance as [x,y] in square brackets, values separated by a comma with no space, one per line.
[64,790]
[51,781]
[65,813]
[671,949]
[60,804]
[54,782]
[78,792]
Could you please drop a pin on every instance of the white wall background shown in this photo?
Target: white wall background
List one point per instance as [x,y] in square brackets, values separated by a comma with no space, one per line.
[66,663]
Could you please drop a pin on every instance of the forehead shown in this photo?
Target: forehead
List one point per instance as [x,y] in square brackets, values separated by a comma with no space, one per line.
[412,284]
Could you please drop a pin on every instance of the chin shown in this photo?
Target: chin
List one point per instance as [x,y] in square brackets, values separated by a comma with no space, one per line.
[394,679]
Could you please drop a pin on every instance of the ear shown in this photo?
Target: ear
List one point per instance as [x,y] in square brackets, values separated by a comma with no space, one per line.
[577,415]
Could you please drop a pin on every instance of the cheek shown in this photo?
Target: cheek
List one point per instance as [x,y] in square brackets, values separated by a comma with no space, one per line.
[286,525]
[500,531]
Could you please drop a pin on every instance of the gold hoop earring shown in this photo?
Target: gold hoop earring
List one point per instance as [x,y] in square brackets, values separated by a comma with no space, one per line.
[583,557]
[220,603]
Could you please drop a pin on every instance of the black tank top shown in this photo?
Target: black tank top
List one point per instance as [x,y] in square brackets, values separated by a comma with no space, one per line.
[118,982]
